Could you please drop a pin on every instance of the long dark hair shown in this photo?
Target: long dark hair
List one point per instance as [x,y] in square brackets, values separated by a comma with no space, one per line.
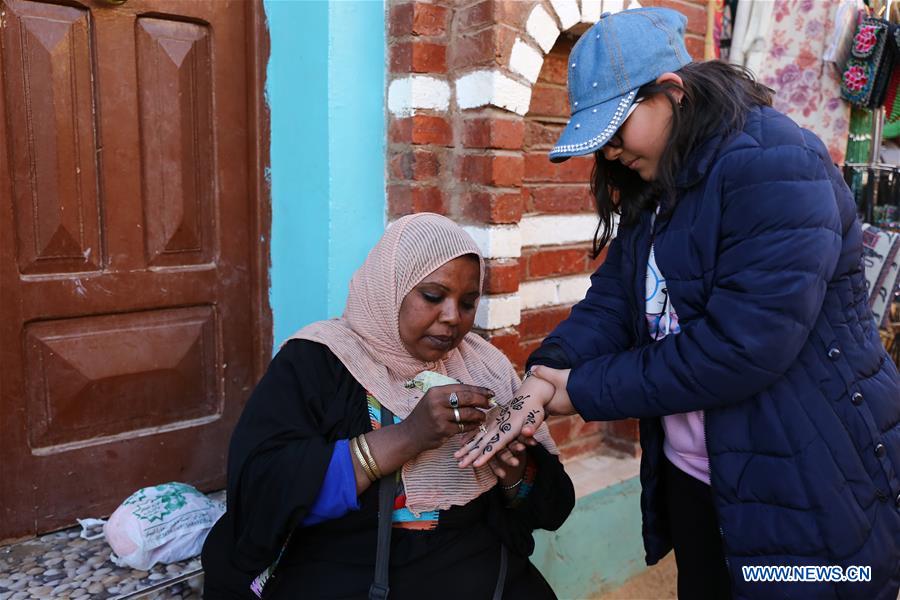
[717,97]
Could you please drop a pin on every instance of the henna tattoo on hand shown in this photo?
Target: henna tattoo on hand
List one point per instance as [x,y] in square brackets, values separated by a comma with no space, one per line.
[519,401]
[490,445]
[503,422]
[531,418]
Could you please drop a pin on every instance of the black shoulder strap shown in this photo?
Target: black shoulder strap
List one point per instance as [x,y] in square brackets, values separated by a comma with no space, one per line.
[387,489]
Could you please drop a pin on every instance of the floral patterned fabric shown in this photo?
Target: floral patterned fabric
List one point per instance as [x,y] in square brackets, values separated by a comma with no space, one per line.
[807,88]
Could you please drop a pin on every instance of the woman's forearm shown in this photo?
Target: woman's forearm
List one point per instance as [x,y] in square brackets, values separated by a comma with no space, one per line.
[391,447]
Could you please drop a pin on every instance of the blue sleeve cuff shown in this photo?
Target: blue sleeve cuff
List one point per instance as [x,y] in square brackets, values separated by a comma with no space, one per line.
[337,496]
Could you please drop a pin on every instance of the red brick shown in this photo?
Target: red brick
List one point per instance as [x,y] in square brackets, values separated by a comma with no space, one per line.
[501,276]
[555,69]
[541,134]
[427,129]
[582,428]
[549,101]
[516,352]
[400,57]
[507,343]
[695,46]
[492,169]
[429,19]
[520,357]
[573,198]
[546,263]
[474,49]
[493,207]
[400,19]
[417,18]
[418,57]
[418,165]
[560,428]
[595,263]
[696,15]
[400,131]
[493,132]
[405,199]
[618,446]
[626,429]
[538,322]
[575,170]
[476,16]
[581,447]
[399,200]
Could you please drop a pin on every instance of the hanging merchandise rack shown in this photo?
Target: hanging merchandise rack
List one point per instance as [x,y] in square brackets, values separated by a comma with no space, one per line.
[879,182]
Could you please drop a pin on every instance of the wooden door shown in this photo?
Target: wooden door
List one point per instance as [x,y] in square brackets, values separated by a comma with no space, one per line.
[133,322]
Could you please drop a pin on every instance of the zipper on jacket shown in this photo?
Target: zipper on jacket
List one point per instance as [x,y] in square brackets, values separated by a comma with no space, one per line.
[715,510]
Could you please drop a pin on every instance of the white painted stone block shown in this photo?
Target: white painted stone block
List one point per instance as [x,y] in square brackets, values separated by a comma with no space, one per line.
[591,10]
[497,312]
[491,87]
[551,230]
[525,60]
[497,241]
[568,12]
[542,28]
[552,292]
[573,289]
[539,293]
[417,91]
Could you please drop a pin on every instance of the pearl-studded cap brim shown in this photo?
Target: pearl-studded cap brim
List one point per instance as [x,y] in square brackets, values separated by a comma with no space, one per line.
[590,128]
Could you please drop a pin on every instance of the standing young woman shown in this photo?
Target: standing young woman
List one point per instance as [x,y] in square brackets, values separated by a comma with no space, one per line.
[731,317]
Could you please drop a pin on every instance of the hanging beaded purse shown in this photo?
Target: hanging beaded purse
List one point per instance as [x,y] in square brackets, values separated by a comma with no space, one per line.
[865,80]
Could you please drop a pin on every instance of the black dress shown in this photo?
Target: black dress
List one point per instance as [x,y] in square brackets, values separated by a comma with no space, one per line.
[279,454]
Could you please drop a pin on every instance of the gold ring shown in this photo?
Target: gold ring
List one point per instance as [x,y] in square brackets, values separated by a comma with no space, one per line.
[461,428]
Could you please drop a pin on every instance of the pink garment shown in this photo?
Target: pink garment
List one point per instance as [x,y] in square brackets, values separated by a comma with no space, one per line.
[685,440]
[685,444]
[807,89]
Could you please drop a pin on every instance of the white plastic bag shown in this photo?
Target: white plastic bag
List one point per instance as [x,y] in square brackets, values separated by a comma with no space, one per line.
[162,523]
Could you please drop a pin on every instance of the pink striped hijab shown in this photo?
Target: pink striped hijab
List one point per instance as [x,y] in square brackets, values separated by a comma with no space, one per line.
[367,341]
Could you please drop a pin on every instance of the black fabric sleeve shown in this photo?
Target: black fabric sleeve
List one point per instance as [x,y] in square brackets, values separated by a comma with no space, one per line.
[550,355]
[281,448]
[547,505]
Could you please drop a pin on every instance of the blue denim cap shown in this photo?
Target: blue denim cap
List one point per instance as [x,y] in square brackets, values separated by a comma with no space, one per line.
[609,63]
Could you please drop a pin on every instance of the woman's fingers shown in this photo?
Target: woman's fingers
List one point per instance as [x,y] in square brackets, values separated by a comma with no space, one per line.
[468,416]
[466,395]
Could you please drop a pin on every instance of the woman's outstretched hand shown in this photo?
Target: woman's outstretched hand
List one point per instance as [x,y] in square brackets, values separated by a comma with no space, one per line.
[522,416]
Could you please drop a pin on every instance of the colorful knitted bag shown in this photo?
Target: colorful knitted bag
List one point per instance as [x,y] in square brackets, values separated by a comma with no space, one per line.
[865,80]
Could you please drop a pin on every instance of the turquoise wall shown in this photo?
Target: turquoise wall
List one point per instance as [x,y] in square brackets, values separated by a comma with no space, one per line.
[599,546]
[325,90]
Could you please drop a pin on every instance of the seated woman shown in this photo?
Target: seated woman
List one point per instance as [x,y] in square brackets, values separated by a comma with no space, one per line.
[309,454]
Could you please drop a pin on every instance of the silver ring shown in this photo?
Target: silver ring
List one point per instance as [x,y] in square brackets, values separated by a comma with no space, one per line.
[454,401]
[482,428]
[456,415]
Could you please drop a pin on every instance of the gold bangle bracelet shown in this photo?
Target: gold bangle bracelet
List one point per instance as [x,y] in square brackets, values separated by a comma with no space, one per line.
[368,454]
[354,445]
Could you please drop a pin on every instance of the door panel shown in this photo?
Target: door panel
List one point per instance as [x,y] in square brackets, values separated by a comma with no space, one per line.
[48,67]
[175,79]
[129,280]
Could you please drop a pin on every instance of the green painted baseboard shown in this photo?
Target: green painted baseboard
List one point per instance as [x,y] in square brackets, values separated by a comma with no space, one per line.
[598,548]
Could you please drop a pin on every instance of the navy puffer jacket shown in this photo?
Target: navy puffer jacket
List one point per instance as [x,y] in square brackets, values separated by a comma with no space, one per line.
[762,257]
